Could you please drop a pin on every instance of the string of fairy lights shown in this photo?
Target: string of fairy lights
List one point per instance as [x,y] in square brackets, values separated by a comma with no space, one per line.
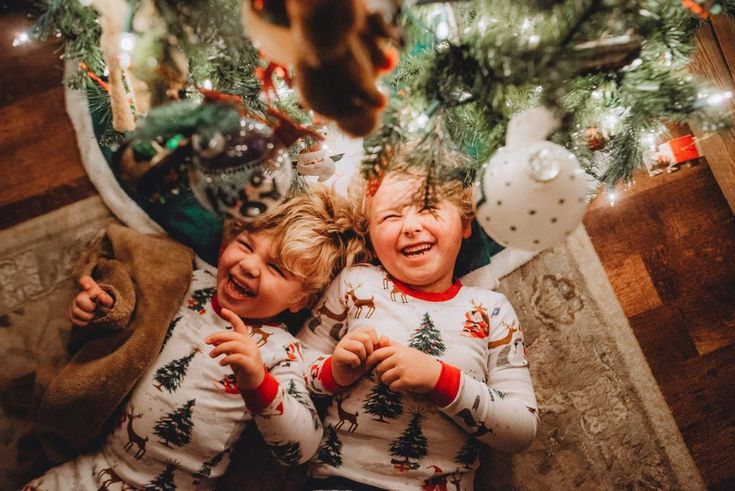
[445,26]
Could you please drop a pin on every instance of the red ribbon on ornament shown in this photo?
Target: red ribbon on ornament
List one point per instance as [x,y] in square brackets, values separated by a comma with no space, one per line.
[285,129]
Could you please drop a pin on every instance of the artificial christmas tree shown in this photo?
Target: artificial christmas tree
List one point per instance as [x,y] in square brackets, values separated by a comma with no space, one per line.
[303,399]
[170,331]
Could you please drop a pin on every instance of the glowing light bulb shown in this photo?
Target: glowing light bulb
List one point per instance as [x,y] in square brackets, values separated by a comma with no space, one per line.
[127,42]
[418,123]
[612,197]
[649,139]
[633,65]
[442,31]
[716,99]
[609,121]
[21,38]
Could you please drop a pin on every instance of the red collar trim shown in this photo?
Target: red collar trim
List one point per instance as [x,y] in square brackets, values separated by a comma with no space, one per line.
[429,296]
[218,310]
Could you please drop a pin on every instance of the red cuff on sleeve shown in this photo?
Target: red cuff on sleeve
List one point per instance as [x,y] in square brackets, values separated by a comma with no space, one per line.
[447,387]
[327,380]
[262,396]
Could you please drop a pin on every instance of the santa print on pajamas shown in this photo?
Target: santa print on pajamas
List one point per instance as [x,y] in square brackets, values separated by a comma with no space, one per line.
[405,441]
[186,412]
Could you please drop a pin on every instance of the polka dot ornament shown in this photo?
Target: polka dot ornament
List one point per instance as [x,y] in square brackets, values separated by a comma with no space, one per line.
[530,195]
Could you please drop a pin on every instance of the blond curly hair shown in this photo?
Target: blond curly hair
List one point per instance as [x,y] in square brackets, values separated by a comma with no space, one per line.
[316,234]
[452,188]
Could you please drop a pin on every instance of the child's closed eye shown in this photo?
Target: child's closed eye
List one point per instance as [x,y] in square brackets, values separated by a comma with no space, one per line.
[277,269]
[245,244]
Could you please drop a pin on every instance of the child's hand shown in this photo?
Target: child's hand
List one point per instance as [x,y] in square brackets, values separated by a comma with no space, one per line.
[89,303]
[242,353]
[350,354]
[404,369]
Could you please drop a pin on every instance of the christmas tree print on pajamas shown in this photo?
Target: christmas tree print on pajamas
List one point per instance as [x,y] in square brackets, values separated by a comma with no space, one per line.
[403,440]
[186,413]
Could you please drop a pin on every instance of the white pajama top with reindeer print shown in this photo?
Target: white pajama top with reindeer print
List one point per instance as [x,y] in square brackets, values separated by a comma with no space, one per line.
[408,441]
[186,413]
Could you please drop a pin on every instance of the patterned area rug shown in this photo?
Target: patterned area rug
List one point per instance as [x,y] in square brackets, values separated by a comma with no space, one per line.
[604,423]
[36,286]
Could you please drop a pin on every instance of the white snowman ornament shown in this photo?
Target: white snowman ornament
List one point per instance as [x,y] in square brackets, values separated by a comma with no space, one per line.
[317,163]
[531,194]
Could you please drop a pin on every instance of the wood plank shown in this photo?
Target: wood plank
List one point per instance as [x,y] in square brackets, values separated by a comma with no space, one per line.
[665,341]
[724,27]
[633,285]
[711,63]
[677,233]
[46,201]
[701,400]
[39,142]
[29,68]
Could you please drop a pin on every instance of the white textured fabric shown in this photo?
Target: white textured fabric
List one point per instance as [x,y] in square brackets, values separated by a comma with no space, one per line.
[96,166]
[403,441]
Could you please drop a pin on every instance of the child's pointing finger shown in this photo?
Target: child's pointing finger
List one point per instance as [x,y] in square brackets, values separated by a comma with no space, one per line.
[86,282]
[237,324]
[100,297]
[223,336]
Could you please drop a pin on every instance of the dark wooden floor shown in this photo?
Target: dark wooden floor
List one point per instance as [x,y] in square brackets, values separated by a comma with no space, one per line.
[668,247]
[40,161]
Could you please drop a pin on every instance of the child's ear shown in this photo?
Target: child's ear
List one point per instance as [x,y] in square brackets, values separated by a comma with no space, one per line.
[466,229]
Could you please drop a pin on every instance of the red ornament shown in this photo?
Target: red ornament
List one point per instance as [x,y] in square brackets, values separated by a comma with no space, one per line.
[596,139]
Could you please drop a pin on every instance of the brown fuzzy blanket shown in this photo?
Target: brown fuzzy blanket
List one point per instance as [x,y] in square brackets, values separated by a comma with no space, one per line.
[148,277]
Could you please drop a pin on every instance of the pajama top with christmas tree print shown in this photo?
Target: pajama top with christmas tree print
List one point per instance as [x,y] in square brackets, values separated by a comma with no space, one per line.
[405,441]
[186,413]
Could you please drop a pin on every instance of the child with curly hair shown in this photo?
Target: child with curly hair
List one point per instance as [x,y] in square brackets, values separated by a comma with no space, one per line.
[423,370]
[188,409]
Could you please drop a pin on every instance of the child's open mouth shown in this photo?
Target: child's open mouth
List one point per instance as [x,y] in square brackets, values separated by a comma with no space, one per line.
[237,289]
[416,250]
